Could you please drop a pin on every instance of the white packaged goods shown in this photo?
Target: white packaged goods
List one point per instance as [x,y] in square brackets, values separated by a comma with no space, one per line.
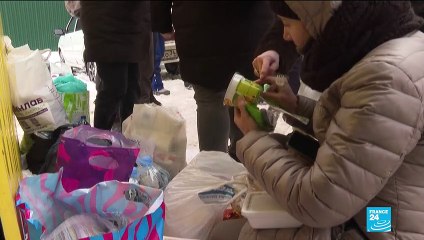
[36,103]
[81,226]
[262,212]
[165,128]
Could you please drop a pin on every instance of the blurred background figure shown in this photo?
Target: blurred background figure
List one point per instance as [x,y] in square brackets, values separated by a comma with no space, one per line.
[157,84]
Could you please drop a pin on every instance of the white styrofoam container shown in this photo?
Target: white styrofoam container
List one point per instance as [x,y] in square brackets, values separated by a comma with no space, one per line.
[262,212]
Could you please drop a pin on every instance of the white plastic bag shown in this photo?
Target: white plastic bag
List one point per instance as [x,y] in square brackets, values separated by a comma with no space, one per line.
[7,44]
[164,127]
[59,69]
[36,103]
[81,226]
[196,198]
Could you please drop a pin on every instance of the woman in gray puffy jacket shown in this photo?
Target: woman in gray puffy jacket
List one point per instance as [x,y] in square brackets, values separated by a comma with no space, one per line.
[367,58]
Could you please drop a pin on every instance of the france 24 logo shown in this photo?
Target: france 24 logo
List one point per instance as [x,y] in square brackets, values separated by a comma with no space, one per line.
[379,219]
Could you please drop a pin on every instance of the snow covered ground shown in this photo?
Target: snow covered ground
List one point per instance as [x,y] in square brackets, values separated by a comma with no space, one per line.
[180,97]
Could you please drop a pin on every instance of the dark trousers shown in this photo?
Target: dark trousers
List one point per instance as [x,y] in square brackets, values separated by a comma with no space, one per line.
[215,122]
[119,89]
[235,135]
[157,83]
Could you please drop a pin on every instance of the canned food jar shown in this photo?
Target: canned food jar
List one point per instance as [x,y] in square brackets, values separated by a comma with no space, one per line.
[241,86]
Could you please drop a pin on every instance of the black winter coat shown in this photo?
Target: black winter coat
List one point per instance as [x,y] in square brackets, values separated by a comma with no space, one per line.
[116,31]
[418,7]
[214,39]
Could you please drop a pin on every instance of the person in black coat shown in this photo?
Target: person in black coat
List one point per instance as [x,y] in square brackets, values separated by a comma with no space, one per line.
[214,39]
[418,7]
[118,37]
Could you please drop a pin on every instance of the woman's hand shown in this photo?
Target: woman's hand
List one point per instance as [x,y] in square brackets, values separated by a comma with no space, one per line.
[242,118]
[279,93]
[266,64]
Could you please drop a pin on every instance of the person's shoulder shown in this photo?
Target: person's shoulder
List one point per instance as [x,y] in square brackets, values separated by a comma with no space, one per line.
[398,61]
[405,53]
[383,83]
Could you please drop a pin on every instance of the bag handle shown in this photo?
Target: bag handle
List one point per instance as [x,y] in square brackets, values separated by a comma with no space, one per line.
[102,140]
[105,141]
[47,50]
[103,162]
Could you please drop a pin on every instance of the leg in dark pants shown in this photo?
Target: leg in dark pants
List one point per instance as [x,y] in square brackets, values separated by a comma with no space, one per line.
[113,89]
[157,83]
[212,119]
[235,135]
[133,91]
[146,74]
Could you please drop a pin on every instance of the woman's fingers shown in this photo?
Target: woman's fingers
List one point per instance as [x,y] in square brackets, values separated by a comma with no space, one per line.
[265,68]
[266,80]
[239,111]
[257,65]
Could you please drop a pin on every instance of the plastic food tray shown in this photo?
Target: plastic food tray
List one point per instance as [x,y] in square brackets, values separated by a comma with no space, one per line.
[262,212]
